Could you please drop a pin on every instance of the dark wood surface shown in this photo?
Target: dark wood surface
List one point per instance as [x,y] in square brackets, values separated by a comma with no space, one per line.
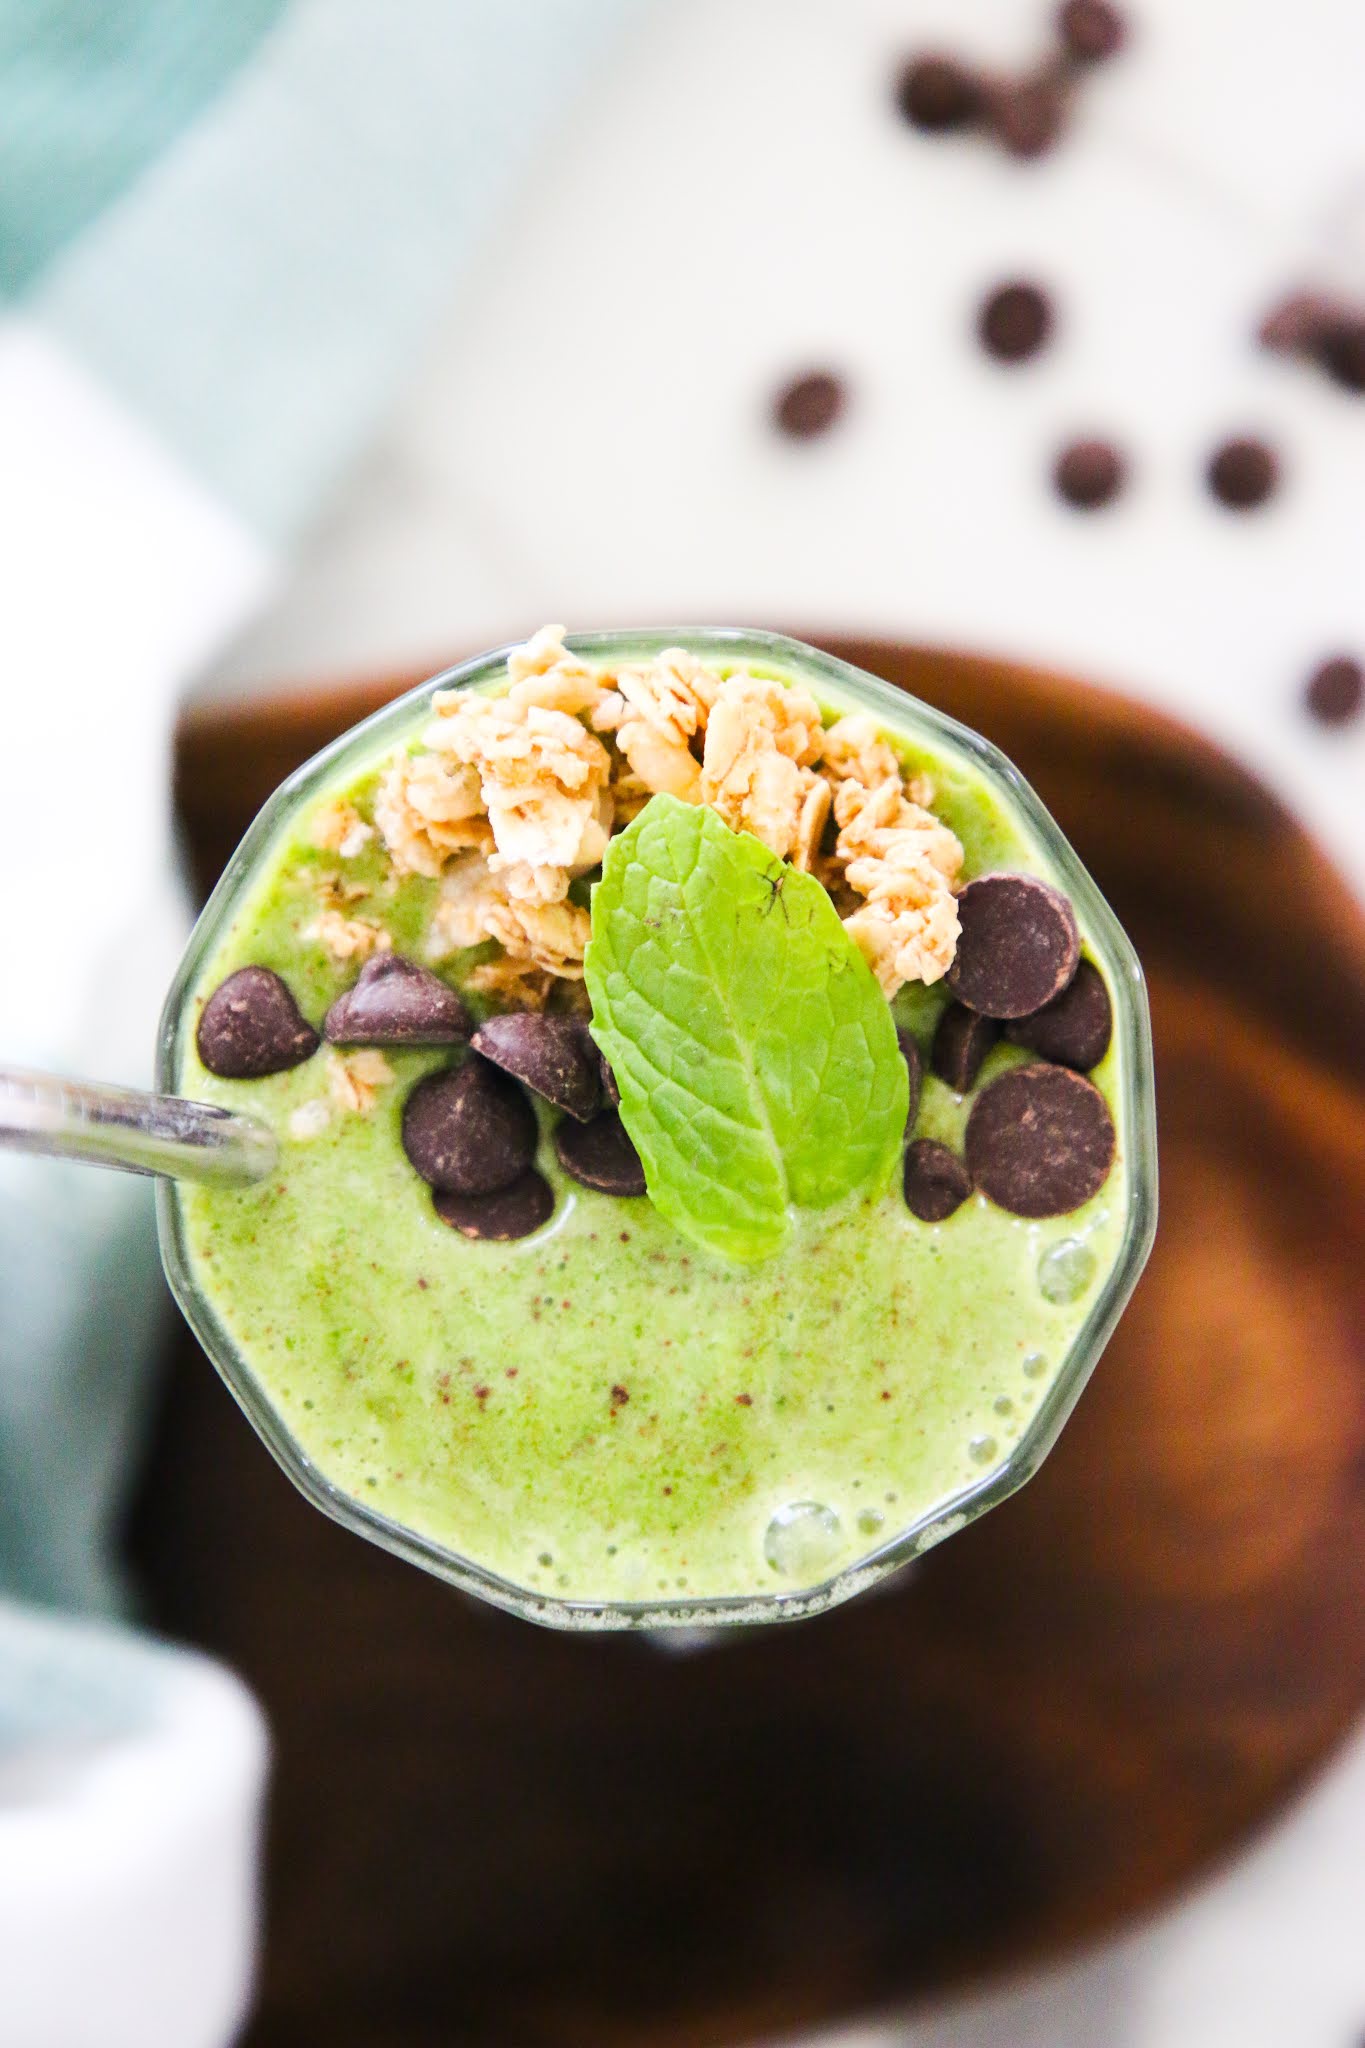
[483,1832]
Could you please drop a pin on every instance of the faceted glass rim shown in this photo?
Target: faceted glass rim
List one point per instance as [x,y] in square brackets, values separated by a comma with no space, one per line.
[892,706]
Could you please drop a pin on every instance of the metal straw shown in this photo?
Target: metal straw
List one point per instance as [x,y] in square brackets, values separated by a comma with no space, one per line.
[131,1130]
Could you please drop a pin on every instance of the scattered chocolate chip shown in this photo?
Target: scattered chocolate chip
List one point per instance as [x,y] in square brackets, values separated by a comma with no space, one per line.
[961,1042]
[469,1130]
[1018,946]
[1090,30]
[937,94]
[809,405]
[1026,115]
[1089,474]
[1014,322]
[396,1002]
[936,1181]
[514,1211]
[1074,1029]
[1242,474]
[1336,691]
[1341,350]
[1331,333]
[600,1155]
[1297,323]
[251,1027]
[554,1056]
[609,1087]
[1040,1140]
[910,1053]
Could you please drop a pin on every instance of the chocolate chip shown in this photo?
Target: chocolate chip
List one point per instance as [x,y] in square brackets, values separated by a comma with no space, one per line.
[396,1002]
[1018,946]
[910,1053]
[1341,350]
[1242,474]
[1040,1140]
[469,1130]
[1297,324]
[937,94]
[961,1042]
[251,1027]
[514,1211]
[1335,691]
[600,1155]
[1074,1029]
[1331,333]
[936,1181]
[809,405]
[609,1087]
[554,1056]
[1014,322]
[1090,30]
[1026,115]
[1089,474]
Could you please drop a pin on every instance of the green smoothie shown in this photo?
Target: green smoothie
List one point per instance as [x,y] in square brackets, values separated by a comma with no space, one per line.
[605,1413]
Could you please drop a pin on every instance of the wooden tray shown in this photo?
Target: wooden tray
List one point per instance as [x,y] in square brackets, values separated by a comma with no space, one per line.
[482,1832]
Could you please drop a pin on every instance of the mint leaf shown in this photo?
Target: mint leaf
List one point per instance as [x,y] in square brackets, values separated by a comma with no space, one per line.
[755,1054]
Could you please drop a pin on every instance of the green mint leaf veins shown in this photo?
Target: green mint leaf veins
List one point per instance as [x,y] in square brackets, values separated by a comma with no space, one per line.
[755,1054]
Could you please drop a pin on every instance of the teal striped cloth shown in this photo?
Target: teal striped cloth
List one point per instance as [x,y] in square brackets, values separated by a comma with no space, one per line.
[242,215]
[90,95]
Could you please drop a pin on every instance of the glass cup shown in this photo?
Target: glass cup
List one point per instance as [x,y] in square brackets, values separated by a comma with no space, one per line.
[836,685]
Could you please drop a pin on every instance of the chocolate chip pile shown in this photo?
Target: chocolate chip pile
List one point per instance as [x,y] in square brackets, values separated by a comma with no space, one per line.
[1024,114]
[1040,1140]
[469,1130]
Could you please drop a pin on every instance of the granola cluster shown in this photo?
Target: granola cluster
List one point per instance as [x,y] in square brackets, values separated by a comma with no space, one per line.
[354,1080]
[339,828]
[508,799]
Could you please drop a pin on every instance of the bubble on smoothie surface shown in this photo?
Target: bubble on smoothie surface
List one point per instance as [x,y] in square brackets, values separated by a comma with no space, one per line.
[982,1449]
[1034,1366]
[1065,1271]
[869,1522]
[802,1540]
